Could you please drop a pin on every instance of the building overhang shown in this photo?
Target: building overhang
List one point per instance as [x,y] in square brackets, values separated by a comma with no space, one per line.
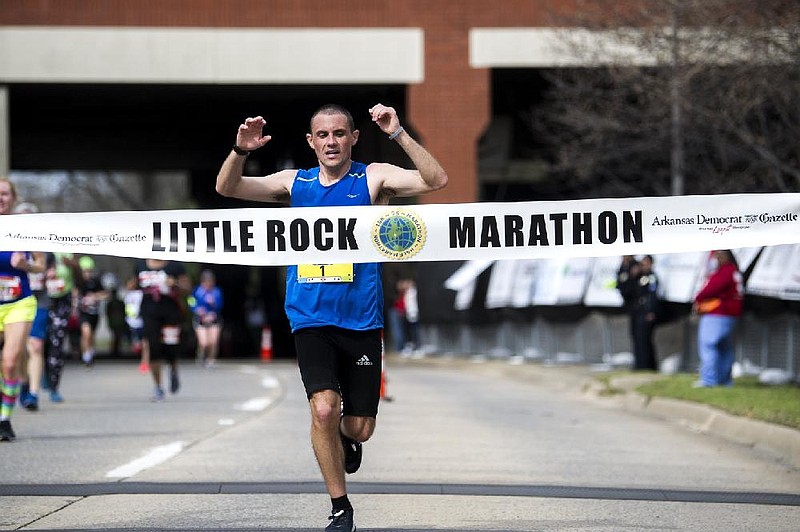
[37,54]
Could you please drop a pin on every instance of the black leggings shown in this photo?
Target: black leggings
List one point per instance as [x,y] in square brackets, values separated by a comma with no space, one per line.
[57,319]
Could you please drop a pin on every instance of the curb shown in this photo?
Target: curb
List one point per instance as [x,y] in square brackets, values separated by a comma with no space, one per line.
[776,439]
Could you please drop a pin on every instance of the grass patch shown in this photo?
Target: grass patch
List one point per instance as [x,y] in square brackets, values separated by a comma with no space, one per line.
[605,379]
[747,397]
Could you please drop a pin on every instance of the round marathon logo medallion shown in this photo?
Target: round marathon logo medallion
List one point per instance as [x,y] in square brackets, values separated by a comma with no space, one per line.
[399,234]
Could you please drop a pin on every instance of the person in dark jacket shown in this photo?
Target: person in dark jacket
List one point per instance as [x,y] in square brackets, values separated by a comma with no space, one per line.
[645,302]
[626,280]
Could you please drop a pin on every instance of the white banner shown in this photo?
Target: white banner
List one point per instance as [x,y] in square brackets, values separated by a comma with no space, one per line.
[562,281]
[602,290]
[777,273]
[680,274]
[496,231]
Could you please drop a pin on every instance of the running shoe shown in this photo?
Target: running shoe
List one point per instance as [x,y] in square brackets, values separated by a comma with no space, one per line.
[7,433]
[341,521]
[24,390]
[352,454]
[56,397]
[29,401]
[158,395]
[174,382]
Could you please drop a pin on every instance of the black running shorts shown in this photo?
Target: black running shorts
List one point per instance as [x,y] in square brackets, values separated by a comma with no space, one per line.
[91,319]
[345,361]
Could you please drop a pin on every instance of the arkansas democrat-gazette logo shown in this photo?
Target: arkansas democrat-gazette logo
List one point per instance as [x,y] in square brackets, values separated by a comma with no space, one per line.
[399,234]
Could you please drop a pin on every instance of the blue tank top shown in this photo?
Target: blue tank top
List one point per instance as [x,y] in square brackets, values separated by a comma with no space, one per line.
[312,299]
[14,284]
[206,300]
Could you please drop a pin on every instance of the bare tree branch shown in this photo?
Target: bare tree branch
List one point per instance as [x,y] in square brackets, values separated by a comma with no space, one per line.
[723,84]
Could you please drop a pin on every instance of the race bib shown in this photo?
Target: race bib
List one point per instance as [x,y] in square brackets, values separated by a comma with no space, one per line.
[170,335]
[56,287]
[10,288]
[36,281]
[324,273]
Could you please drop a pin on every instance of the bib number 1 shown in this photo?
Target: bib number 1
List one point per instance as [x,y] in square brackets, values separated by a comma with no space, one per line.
[324,273]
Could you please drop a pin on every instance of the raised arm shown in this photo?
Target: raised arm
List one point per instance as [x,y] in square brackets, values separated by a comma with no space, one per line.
[231,182]
[35,264]
[388,180]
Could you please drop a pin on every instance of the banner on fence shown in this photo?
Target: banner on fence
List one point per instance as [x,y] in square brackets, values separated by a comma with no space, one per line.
[777,273]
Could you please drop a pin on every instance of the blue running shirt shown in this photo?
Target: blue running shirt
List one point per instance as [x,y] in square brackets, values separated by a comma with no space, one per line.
[14,283]
[349,296]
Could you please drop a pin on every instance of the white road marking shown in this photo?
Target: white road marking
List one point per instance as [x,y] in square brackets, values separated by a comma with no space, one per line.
[255,405]
[225,422]
[270,383]
[153,457]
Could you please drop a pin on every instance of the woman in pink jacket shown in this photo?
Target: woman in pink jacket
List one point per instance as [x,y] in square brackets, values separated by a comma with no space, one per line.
[719,304]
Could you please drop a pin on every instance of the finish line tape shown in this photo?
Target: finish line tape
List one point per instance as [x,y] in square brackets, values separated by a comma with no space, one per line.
[443,232]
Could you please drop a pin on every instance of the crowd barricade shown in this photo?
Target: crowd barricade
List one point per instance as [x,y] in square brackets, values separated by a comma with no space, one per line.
[603,339]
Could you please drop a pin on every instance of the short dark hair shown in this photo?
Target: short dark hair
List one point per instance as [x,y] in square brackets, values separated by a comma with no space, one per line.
[333,109]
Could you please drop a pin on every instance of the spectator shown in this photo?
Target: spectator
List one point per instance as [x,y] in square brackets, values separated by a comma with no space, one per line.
[412,317]
[719,304]
[627,274]
[397,317]
[645,310]
[627,279]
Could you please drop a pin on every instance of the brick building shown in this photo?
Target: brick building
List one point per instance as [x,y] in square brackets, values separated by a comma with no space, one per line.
[434,56]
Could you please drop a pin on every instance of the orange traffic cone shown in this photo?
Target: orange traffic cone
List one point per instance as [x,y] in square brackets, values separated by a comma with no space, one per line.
[266,344]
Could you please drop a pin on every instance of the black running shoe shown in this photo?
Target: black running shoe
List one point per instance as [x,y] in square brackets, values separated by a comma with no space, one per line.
[7,434]
[341,521]
[352,454]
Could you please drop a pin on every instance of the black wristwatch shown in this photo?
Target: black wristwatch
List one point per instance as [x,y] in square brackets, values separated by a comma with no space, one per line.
[240,151]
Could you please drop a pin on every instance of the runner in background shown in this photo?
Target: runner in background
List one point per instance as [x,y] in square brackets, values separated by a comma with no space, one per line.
[206,303]
[63,275]
[115,313]
[33,370]
[17,312]
[165,286]
[133,317]
[90,293]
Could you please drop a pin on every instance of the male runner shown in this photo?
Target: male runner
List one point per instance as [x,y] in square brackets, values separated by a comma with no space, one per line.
[336,324]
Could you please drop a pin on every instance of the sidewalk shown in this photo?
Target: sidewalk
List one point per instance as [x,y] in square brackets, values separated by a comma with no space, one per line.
[777,440]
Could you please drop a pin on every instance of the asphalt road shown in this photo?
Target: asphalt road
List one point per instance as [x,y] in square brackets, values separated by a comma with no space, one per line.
[461,447]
